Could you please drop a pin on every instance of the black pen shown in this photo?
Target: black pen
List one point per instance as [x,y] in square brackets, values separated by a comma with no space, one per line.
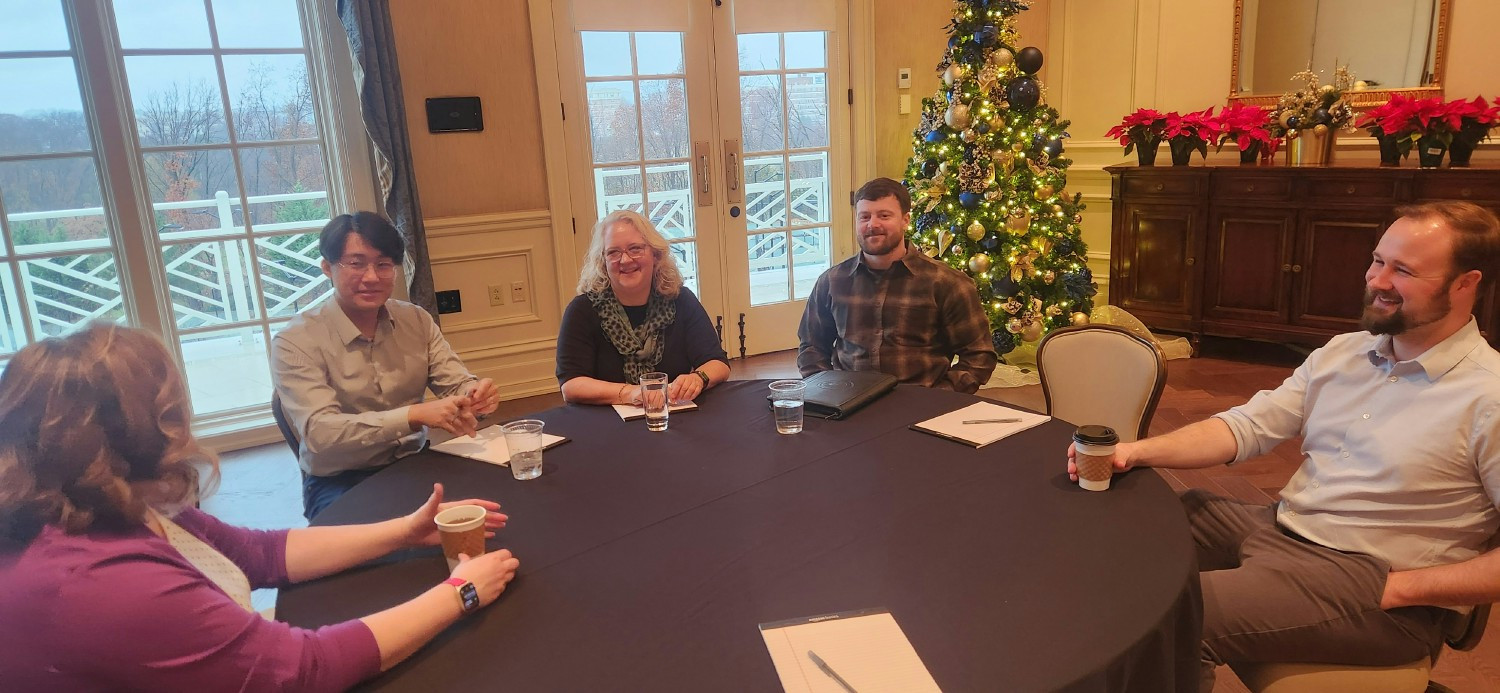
[829,670]
[985,421]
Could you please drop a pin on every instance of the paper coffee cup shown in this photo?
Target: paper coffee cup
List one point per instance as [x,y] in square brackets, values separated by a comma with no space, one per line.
[1095,449]
[462,531]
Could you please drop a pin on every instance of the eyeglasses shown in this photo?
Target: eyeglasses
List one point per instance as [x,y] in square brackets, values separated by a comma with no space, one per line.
[384,270]
[636,251]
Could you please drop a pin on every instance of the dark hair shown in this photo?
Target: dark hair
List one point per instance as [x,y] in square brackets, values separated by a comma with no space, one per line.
[95,427]
[370,226]
[881,188]
[1476,235]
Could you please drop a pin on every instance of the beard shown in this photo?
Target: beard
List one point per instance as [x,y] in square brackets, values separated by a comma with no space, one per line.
[885,245]
[1399,320]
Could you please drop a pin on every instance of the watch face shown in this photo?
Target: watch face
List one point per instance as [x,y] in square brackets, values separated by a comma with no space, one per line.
[470,596]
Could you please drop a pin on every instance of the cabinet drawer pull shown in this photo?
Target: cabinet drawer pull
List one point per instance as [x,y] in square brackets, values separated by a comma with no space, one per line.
[1286,268]
[1296,268]
[1349,190]
[1191,260]
[1250,188]
[1160,187]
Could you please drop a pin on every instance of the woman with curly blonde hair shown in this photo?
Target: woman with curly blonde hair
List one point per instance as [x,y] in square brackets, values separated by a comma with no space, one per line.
[634,316]
[111,579]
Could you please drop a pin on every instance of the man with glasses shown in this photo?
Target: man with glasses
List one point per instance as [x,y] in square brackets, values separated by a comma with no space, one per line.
[352,372]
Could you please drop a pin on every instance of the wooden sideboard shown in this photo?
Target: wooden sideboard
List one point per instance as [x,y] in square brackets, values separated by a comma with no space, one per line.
[1266,252]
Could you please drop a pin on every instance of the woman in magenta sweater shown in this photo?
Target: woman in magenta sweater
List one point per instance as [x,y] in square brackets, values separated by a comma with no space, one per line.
[111,580]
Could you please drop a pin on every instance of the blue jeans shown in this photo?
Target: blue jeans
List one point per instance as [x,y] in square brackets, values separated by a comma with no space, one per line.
[319,491]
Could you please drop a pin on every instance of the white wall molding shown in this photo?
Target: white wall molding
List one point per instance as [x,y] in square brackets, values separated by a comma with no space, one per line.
[525,346]
[439,227]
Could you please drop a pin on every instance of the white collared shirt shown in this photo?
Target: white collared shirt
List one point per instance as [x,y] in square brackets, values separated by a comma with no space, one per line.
[1400,459]
[347,395]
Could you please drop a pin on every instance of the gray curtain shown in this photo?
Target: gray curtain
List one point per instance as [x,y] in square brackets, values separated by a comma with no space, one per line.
[373,43]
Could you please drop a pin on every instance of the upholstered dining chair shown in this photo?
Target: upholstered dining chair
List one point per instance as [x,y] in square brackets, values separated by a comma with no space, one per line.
[287,431]
[1102,374]
[1463,633]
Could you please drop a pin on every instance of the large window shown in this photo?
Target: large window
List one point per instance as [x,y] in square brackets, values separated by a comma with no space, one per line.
[200,222]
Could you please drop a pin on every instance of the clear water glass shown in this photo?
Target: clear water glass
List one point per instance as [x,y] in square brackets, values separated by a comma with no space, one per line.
[654,400]
[524,439]
[786,401]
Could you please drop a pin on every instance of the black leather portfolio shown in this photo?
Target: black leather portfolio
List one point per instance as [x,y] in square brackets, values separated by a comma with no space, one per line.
[837,394]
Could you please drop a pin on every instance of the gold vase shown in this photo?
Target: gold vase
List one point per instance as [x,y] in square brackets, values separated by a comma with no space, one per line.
[1310,147]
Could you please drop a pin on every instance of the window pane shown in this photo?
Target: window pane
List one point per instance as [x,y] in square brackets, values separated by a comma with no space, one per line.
[12,330]
[53,201]
[193,191]
[812,253]
[286,186]
[210,355]
[176,99]
[669,189]
[257,23]
[291,273]
[760,52]
[765,193]
[32,25]
[658,53]
[805,50]
[613,122]
[64,292]
[606,54]
[768,271]
[664,113]
[162,24]
[618,188]
[760,113]
[807,96]
[686,255]
[210,283]
[810,203]
[270,96]
[41,109]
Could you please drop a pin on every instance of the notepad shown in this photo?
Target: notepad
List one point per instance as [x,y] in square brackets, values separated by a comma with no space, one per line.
[865,648]
[631,412]
[952,426]
[488,445]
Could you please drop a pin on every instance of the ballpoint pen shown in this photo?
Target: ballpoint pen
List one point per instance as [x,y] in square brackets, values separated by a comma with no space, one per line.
[829,670]
[985,421]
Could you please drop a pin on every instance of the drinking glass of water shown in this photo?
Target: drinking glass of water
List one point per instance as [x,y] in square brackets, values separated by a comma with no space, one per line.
[524,439]
[786,400]
[654,400]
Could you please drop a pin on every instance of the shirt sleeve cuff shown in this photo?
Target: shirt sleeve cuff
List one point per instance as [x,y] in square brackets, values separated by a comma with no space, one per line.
[397,424]
[1239,427]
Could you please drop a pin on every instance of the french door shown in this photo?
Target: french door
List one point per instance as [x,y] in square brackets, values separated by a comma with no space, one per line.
[726,125]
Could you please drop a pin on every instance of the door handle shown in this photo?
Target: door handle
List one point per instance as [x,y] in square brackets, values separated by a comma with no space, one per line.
[732,171]
[704,174]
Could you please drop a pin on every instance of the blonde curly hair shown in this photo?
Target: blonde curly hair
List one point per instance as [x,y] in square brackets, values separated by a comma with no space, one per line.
[666,280]
[95,427]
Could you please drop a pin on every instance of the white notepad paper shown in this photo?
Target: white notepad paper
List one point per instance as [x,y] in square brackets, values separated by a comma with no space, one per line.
[488,445]
[952,426]
[866,649]
[631,412]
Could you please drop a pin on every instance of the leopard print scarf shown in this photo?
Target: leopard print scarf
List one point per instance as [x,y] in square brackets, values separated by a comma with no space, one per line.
[641,346]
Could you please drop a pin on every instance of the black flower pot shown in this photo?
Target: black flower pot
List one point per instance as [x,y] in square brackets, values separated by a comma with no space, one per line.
[1182,150]
[1145,152]
[1251,154]
[1460,151]
[1430,152]
[1390,153]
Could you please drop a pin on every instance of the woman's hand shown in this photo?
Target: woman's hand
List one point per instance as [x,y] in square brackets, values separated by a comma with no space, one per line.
[489,573]
[421,527]
[685,388]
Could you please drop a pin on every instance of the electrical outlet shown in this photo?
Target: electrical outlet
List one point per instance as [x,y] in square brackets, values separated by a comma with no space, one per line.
[497,295]
[518,292]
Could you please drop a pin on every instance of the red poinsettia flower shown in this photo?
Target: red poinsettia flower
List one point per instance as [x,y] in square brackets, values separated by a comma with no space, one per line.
[1139,128]
[1197,125]
[1437,118]
[1244,125]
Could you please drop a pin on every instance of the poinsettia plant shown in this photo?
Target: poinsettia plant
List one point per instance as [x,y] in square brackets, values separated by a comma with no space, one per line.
[1245,126]
[1476,118]
[1140,129]
[1396,119]
[1192,130]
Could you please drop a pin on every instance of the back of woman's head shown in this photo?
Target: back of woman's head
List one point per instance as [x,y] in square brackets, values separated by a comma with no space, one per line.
[94,428]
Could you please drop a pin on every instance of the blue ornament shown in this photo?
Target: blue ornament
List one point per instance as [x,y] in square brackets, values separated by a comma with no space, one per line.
[1054,148]
[1029,60]
[982,127]
[987,35]
[1004,286]
[934,137]
[969,200]
[1023,93]
[990,243]
[1321,116]
[1293,121]
[1003,341]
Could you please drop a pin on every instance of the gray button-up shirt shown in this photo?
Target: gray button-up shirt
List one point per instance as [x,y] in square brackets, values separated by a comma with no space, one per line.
[1400,459]
[347,396]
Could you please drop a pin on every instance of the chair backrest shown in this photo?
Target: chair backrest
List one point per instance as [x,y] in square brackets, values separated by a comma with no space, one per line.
[1464,633]
[287,431]
[1102,374]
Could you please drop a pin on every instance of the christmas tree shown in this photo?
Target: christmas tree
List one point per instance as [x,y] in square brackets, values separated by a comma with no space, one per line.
[987,180]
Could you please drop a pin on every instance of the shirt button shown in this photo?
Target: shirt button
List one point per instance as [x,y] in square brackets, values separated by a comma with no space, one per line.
[1392,379]
[1364,416]
[1344,455]
[1316,484]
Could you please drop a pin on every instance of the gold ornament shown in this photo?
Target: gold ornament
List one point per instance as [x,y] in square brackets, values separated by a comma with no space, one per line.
[1057,209]
[953,74]
[996,122]
[1017,147]
[1320,130]
[1016,224]
[957,116]
[1043,192]
[1032,331]
[969,135]
[1078,218]
[1080,318]
[1049,276]
[931,251]
[976,230]
[1285,117]
[1013,325]
[943,168]
[979,263]
[1002,58]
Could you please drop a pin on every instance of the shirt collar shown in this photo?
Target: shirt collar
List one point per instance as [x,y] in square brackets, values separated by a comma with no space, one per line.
[343,327]
[1440,358]
[859,260]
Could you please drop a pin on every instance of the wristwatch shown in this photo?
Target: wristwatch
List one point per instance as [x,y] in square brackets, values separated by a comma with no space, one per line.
[699,372]
[468,597]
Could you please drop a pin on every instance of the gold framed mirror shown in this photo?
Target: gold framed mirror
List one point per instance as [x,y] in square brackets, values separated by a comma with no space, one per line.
[1397,46]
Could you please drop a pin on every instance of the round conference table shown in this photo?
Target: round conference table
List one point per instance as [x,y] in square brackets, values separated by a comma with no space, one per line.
[649,559]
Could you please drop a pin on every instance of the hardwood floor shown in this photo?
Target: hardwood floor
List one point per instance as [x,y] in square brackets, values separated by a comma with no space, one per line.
[1226,373]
